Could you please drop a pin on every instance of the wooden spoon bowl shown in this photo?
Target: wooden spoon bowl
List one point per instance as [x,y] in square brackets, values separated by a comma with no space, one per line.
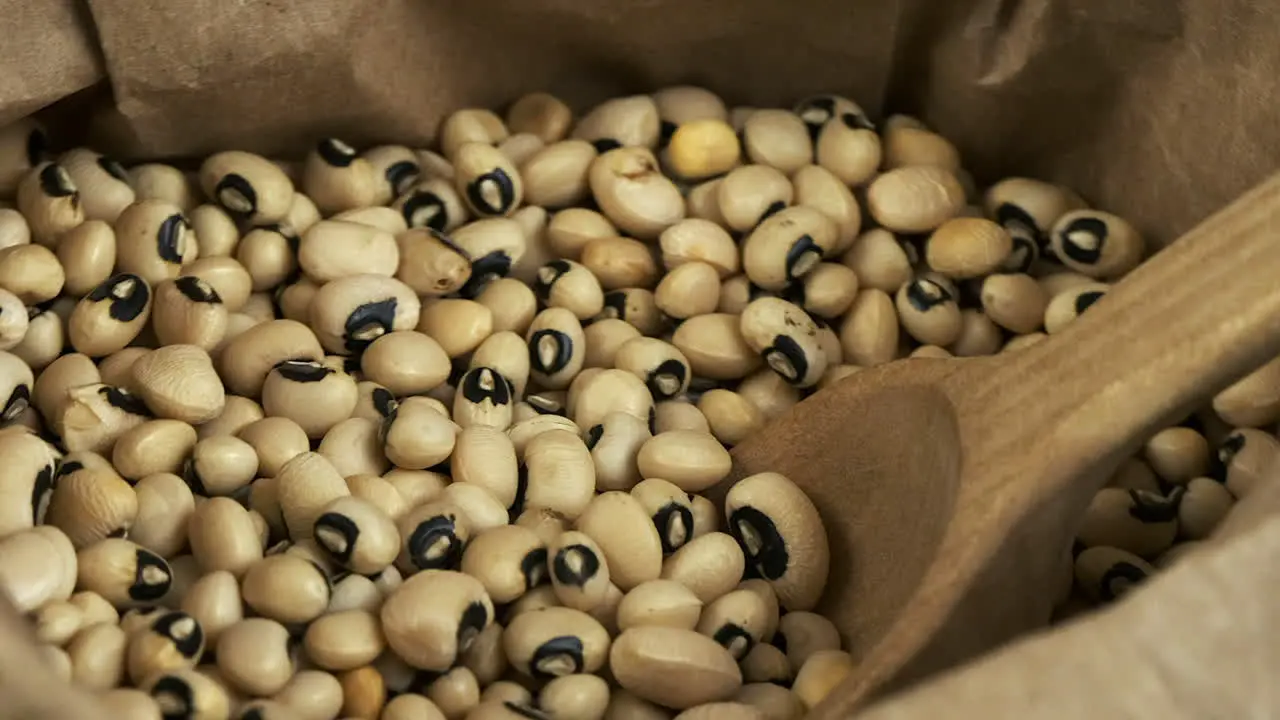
[950,489]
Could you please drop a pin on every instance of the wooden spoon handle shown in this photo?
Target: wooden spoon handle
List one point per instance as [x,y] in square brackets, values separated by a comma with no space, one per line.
[1196,317]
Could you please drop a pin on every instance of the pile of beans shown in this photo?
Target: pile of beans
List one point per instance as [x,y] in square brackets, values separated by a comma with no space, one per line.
[411,434]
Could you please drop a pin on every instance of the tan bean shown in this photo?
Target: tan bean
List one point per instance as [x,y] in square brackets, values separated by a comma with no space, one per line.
[223,537]
[354,447]
[715,348]
[50,200]
[97,656]
[750,194]
[214,602]
[89,502]
[673,667]
[276,441]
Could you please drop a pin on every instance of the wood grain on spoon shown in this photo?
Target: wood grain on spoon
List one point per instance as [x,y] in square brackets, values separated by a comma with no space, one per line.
[950,487]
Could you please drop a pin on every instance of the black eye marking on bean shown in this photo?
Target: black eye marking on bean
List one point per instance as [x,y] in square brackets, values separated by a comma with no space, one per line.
[734,639]
[575,574]
[401,174]
[56,183]
[416,205]
[1149,507]
[482,384]
[122,399]
[42,492]
[593,436]
[779,640]
[197,290]
[113,168]
[1020,223]
[1227,451]
[1022,256]
[16,404]
[604,145]
[434,544]
[485,270]
[666,380]
[856,121]
[774,208]
[170,236]
[803,254]
[675,526]
[124,308]
[145,588]
[341,542]
[760,542]
[473,621]
[555,651]
[191,476]
[305,371]
[553,362]
[37,147]
[496,180]
[335,152]
[666,129]
[1095,228]
[548,275]
[525,711]
[522,489]
[384,402]
[176,698]
[615,305]
[183,631]
[924,295]
[815,112]
[236,195]
[544,405]
[1119,579]
[253,713]
[1086,299]
[787,358]
[534,567]
[367,323]
[324,574]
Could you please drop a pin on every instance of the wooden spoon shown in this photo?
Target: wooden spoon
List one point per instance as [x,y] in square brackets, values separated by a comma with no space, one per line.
[951,488]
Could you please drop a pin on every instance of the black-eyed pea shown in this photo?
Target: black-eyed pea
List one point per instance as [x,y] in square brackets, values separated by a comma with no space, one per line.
[374,401]
[470,125]
[915,199]
[305,485]
[346,640]
[702,201]
[179,382]
[457,325]
[698,240]
[117,368]
[509,560]
[537,423]
[569,230]
[637,306]
[929,310]
[736,293]
[540,114]
[434,616]
[679,414]
[773,701]
[1066,306]
[1137,521]
[688,290]
[510,690]
[395,168]
[87,253]
[569,285]
[765,663]
[751,194]
[433,535]
[848,148]
[691,460]
[965,247]
[56,622]
[165,505]
[221,465]
[122,572]
[714,345]
[630,121]
[254,656]
[17,387]
[355,446]
[1023,341]
[786,338]
[619,263]
[268,254]
[604,338]
[215,230]
[156,446]
[430,263]
[349,313]
[787,245]
[1103,574]
[483,510]
[546,523]
[110,316]
[416,486]
[486,457]
[50,200]
[455,693]
[564,402]
[495,246]
[185,570]
[416,435]
[606,391]
[189,693]
[97,655]
[275,441]
[1134,474]
[1244,457]
[673,667]
[782,535]
[578,570]
[631,191]
[89,501]
[172,641]
[14,321]
[539,598]
[732,417]
[1252,401]
[614,444]
[680,104]
[223,537]
[556,175]
[769,392]
[357,535]
[979,335]
[707,147]
[1096,243]
[309,695]
[412,706]
[559,472]
[487,180]
[188,311]
[556,348]
[157,181]
[706,516]
[228,278]
[622,529]
[431,204]
[555,641]
[152,240]
[378,492]
[128,704]
[664,603]
[880,260]
[511,303]
[820,674]
[905,146]
[1177,454]
[13,228]
[37,566]
[710,565]
[484,397]
[803,634]
[778,139]
[247,186]
[334,248]
[288,588]
[578,696]
[406,362]
[1202,508]
[819,110]
[336,178]
[311,394]
[27,484]
[1015,301]
[94,416]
